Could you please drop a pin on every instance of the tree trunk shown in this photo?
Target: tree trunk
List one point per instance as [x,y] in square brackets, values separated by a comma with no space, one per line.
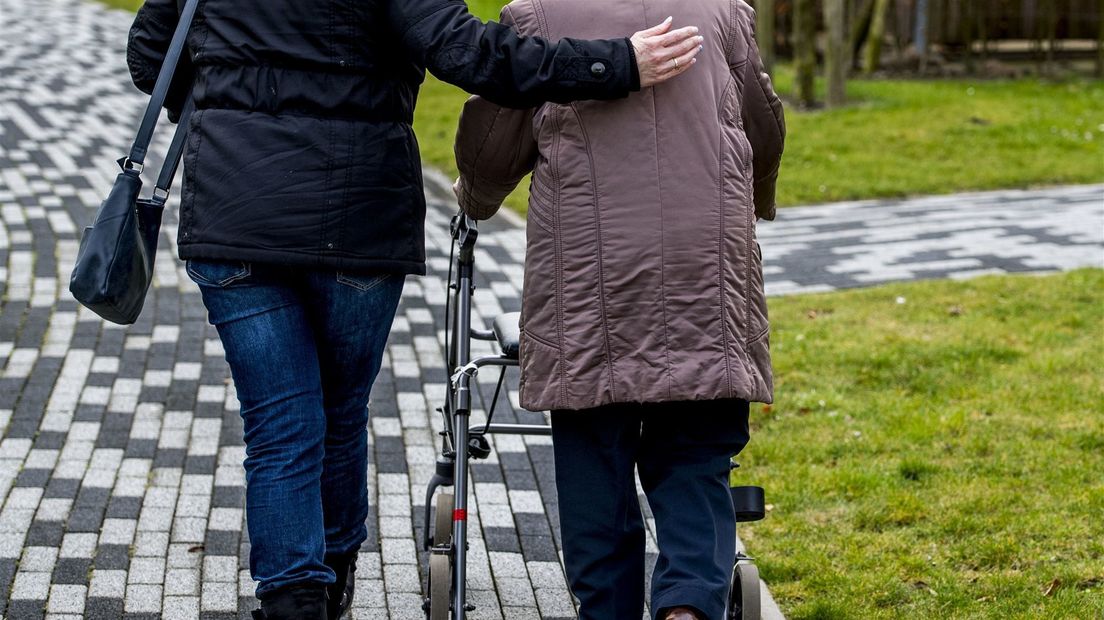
[860,28]
[982,16]
[920,33]
[836,58]
[1051,33]
[764,18]
[1100,40]
[873,57]
[902,25]
[966,29]
[804,35]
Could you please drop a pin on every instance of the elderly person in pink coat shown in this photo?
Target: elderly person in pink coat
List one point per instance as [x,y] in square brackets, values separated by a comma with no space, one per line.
[644,322]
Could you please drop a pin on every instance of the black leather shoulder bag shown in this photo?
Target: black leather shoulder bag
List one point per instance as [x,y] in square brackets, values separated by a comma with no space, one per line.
[114,267]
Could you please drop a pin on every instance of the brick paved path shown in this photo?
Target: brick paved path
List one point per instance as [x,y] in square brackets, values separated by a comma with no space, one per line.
[813,249]
[121,490]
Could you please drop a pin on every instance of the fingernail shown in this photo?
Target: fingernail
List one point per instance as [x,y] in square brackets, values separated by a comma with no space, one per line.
[668,19]
[701,47]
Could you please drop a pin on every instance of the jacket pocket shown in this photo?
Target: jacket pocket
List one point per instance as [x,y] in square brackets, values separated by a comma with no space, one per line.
[542,382]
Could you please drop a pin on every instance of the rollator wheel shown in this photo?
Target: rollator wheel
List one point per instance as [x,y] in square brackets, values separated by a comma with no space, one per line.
[743,601]
[440,565]
[442,528]
[440,582]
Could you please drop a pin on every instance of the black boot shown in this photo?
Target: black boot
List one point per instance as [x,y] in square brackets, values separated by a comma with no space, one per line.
[341,591]
[297,602]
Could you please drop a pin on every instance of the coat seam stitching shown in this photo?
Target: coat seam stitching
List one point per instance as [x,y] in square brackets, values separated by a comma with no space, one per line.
[559,259]
[750,222]
[662,251]
[323,225]
[542,20]
[720,246]
[345,198]
[539,218]
[662,255]
[733,25]
[598,252]
[193,154]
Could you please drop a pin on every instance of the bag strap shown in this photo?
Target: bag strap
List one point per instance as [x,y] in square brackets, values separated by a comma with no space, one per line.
[172,158]
[137,158]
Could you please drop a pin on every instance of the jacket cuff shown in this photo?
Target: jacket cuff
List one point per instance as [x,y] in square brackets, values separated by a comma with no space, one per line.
[634,72]
[474,203]
[764,190]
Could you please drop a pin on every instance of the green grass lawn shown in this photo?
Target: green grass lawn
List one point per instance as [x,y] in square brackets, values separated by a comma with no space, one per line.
[130,5]
[935,451]
[905,137]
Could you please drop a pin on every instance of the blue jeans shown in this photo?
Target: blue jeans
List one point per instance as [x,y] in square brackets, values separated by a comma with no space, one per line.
[682,451]
[304,348]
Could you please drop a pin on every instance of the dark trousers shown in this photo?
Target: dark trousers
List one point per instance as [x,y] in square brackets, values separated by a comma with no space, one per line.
[682,451]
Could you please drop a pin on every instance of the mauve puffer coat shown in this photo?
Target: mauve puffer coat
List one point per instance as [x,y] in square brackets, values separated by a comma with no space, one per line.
[643,277]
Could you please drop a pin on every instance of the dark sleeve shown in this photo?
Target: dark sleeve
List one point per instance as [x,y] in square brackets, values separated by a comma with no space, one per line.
[764,123]
[150,36]
[491,60]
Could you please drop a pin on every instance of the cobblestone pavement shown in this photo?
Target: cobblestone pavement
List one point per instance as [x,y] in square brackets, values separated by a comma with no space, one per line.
[843,245]
[120,460]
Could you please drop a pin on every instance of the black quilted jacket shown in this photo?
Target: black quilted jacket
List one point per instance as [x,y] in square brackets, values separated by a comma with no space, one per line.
[301,151]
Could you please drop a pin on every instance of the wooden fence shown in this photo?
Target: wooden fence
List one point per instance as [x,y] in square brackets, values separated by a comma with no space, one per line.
[953,22]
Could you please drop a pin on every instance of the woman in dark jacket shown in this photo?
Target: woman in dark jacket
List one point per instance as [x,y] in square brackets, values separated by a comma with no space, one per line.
[303,212]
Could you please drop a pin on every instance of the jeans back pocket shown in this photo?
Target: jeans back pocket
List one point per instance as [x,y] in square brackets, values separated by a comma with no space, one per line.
[217,273]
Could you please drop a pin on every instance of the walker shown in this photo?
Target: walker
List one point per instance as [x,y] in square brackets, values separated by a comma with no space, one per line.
[446,511]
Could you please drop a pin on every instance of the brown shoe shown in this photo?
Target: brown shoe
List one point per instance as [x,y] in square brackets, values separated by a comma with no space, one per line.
[680,613]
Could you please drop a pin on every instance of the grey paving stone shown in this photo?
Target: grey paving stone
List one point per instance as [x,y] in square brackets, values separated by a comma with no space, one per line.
[66,599]
[30,586]
[143,598]
[112,557]
[181,607]
[219,597]
[62,488]
[124,508]
[222,542]
[27,610]
[34,478]
[539,549]
[228,497]
[72,571]
[45,533]
[501,539]
[401,578]
[108,584]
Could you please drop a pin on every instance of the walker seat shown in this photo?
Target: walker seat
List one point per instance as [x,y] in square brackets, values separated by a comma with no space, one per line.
[508,332]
